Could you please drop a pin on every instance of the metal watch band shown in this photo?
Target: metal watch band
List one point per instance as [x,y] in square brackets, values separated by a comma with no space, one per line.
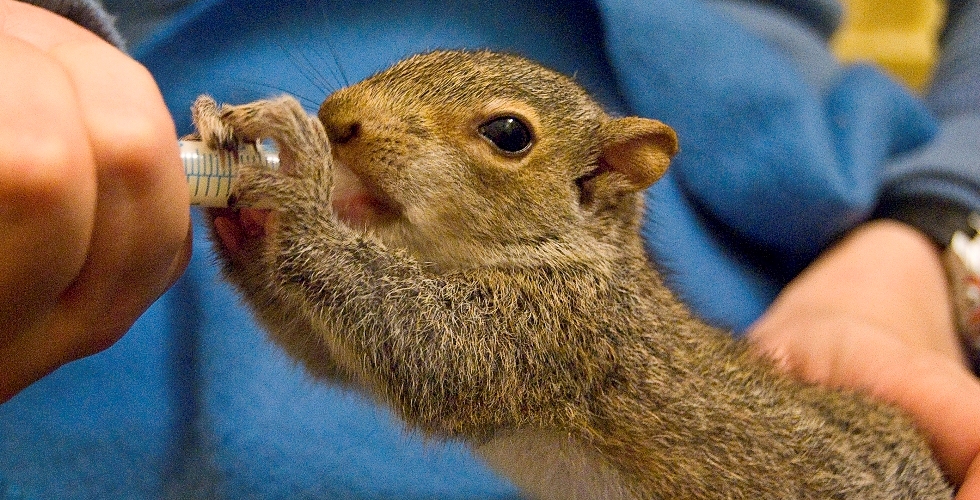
[962,260]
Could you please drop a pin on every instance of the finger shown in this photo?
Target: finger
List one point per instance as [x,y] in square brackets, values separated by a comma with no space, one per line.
[27,357]
[140,241]
[47,185]
[942,397]
[971,487]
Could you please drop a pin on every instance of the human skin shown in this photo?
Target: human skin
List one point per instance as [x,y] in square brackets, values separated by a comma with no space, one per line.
[94,212]
[873,314]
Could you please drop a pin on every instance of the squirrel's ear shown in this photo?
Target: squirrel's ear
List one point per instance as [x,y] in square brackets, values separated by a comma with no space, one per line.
[638,148]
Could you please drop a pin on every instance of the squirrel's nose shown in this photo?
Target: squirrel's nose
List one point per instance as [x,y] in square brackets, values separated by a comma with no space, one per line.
[342,118]
[342,133]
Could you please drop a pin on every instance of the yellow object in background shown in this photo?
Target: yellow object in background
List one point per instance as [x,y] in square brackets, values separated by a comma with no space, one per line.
[899,35]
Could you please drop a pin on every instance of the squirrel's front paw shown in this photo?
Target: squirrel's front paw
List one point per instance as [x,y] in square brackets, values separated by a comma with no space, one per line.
[304,154]
[264,199]
[211,129]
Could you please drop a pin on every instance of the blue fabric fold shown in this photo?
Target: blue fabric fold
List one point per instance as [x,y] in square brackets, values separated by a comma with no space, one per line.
[771,169]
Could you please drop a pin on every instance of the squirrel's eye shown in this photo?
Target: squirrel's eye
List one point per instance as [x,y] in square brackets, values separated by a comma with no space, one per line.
[508,133]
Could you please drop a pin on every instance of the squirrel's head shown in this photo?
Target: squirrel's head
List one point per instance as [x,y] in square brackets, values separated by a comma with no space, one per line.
[458,156]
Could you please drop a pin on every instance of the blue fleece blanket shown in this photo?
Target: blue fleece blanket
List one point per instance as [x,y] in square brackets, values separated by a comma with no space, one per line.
[195,403]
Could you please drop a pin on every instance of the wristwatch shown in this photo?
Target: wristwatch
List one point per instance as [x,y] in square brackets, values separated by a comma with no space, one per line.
[962,260]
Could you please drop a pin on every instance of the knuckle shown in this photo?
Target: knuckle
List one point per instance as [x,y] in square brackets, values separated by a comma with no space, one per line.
[45,155]
[44,171]
[130,141]
[127,119]
[94,337]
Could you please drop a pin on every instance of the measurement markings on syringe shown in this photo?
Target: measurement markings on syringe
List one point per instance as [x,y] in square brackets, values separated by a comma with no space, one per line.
[210,173]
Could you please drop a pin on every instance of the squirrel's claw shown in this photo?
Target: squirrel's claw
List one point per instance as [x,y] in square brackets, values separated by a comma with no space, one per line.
[211,128]
[304,176]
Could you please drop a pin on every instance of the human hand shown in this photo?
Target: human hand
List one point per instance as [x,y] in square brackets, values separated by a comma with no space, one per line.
[94,217]
[873,314]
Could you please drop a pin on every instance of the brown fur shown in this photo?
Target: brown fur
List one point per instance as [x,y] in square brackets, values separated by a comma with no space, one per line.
[507,299]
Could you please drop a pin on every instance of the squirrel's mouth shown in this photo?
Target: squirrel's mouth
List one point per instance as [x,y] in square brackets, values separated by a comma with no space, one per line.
[359,203]
[356,202]
[239,228]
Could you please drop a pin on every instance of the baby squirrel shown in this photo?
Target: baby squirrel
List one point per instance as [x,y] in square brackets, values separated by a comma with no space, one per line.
[458,236]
